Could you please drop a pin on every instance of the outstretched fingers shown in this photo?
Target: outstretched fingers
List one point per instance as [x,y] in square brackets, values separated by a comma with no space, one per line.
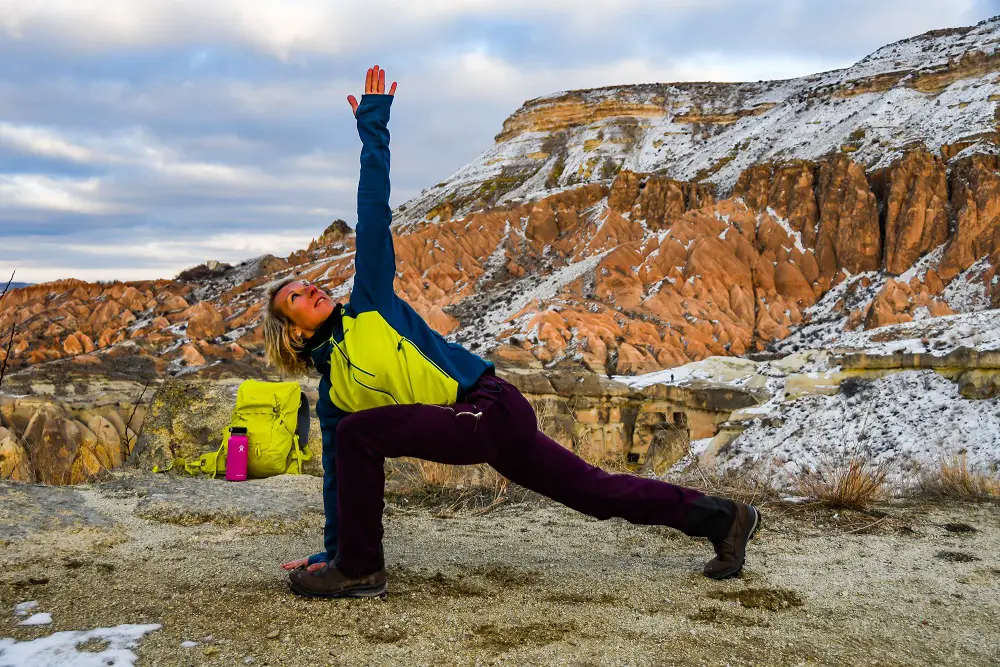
[374,85]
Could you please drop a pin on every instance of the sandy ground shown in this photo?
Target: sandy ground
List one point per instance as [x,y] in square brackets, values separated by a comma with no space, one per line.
[527,583]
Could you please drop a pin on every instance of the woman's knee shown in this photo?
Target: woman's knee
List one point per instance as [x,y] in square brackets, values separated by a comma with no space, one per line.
[523,423]
[351,430]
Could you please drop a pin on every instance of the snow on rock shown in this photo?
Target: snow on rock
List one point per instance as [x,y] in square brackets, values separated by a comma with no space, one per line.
[714,369]
[60,649]
[906,418]
[939,88]
[495,315]
[936,335]
[967,292]
[826,318]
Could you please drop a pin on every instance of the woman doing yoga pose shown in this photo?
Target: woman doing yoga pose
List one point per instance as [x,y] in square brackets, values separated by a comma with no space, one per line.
[391,386]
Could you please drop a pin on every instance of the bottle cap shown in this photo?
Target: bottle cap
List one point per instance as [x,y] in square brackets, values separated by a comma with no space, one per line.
[238,430]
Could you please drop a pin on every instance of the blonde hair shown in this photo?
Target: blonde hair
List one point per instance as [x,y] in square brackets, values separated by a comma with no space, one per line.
[281,348]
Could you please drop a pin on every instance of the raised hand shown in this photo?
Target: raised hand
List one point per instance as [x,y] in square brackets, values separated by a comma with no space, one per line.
[374,85]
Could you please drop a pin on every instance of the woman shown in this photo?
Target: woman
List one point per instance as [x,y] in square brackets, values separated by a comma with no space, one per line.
[391,386]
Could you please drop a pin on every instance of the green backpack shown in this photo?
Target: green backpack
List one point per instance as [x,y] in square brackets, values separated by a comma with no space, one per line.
[276,417]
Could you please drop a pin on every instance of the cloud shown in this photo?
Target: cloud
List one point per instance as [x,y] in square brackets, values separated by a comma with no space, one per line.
[30,191]
[285,27]
[140,136]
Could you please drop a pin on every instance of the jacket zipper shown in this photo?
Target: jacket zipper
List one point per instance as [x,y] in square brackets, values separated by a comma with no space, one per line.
[399,348]
[348,360]
[351,364]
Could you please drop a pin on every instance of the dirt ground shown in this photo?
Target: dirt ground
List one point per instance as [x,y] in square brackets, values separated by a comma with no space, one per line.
[527,583]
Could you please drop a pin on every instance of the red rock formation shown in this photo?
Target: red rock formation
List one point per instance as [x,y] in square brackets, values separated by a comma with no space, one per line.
[848,236]
[916,210]
[674,275]
[975,202]
[204,321]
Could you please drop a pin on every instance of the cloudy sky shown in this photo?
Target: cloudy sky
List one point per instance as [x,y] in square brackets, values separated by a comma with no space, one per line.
[141,137]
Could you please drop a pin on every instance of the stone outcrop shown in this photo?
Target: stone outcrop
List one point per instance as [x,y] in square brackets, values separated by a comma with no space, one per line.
[15,463]
[975,201]
[656,199]
[916,210]
[68,428]
[204,321]
[848,236]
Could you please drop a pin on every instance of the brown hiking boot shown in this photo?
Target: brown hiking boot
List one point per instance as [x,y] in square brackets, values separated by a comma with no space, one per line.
[730,551]
[329,582]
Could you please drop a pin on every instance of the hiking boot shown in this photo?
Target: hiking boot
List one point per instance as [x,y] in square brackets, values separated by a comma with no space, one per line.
[730,551]
[329,582]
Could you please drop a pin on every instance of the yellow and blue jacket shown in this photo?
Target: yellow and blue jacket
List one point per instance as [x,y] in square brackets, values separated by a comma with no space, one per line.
[376,350]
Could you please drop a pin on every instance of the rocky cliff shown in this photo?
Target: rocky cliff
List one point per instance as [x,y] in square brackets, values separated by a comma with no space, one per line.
[938,89]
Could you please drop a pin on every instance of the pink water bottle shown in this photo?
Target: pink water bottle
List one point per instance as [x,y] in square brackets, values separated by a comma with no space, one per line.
[237,454]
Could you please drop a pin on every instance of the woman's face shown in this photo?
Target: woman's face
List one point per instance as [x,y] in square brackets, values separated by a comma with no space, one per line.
[306,305]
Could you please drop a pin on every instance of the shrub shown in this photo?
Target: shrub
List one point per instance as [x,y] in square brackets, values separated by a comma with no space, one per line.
[750,485]
[855,483]
[953,479]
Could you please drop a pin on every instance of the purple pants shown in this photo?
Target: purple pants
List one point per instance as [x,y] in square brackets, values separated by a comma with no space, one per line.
[495,425]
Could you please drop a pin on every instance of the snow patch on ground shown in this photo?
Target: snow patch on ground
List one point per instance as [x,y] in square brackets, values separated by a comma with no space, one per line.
[43,618]
[903,419]
[60,649]
[22,608]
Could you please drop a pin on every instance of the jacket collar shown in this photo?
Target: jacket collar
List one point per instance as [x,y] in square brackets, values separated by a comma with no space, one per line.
[325,331]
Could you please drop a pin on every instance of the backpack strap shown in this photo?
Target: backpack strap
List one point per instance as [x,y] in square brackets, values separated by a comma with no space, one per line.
[207,463]
[298,457]
[303,418]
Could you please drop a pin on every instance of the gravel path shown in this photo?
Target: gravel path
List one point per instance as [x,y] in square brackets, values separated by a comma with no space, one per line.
[528,583]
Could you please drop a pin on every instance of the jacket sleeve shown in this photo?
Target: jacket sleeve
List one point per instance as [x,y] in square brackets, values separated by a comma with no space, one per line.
[375,260]
[332,527]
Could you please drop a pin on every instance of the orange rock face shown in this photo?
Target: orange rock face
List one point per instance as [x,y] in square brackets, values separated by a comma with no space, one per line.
[975,203]
[849,236]
[15,464]
[916,210]
[644,273]
[204,321]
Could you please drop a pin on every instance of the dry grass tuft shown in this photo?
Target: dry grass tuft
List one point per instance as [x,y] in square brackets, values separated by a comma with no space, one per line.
[953,479]
[750,485]
[855,483]
[477,489]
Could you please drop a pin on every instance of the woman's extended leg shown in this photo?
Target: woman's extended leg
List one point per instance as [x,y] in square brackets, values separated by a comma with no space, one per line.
[535,461]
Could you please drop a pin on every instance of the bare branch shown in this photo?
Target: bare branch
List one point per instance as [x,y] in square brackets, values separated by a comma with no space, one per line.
[10,342]
[13,326]
[7,286]
[135,407]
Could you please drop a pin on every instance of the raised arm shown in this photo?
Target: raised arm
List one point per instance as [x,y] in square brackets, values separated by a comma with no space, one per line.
[375,261]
